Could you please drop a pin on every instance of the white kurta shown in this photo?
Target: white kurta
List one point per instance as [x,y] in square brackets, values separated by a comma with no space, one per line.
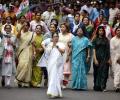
[115,54]
[48,16]
[33,25]
[54,68]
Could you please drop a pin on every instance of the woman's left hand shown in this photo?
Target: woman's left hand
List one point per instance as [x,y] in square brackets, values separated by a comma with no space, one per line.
[67,59]
[39,50]
[10,42]
[118,60]
[34,56]
[88,59]
[109,62]
[61,50]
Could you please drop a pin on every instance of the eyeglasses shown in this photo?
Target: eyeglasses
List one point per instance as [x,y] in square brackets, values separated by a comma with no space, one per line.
[7,28]
[55,36]
[26,25]
[38,28]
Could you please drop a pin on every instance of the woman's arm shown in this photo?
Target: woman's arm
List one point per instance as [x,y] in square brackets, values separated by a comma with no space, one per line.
[61,50]
[69,52]
[94,57]
[19,33]
[45,43]
[88,54]
[40,49]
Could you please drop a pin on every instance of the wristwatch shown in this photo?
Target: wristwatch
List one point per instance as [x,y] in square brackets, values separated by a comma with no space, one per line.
[57,46]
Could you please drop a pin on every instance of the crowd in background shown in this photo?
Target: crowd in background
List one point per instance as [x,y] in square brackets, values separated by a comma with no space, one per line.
[61,42]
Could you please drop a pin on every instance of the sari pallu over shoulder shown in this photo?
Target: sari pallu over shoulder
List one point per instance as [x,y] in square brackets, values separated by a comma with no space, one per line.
[24,67]
[79,78]
[27,44]
[82,43]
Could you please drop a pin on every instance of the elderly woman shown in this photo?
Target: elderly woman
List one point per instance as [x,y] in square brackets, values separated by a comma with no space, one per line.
[8,61]
[42,63]
[55,64]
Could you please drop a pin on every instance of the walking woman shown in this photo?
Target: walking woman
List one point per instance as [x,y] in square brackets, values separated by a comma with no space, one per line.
[55,64]
[89,34]
[25,54]
[8,61]
[101,56]
[52,29]
[38,51]
[115,57]
[80,46]
[65,37]
[42,63]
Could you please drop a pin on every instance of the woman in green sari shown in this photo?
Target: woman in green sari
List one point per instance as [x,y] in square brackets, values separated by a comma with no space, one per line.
[89,27]
[89,34]
[38,51]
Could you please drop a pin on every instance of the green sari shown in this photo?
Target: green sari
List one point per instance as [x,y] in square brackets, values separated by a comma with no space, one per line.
[36,71]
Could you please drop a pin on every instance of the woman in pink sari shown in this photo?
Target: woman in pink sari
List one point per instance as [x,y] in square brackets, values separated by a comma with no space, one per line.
[65,37]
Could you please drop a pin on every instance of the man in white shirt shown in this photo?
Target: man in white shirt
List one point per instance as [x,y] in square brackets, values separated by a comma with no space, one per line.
[87,7]
[38,21]
[48,15]
[112,13]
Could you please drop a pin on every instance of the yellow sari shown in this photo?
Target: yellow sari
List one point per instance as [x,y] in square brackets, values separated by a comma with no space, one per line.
[36,71]
[25,52]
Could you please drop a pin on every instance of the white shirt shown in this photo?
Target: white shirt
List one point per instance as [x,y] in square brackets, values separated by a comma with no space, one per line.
[47,16]
[33,25]
[112,13]
[88,9]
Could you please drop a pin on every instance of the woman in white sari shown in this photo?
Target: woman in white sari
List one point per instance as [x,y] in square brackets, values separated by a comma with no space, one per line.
[47,46]
[115,57]
[54,68]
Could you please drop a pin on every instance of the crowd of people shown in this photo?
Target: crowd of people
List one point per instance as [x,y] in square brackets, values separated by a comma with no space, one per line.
[59,45]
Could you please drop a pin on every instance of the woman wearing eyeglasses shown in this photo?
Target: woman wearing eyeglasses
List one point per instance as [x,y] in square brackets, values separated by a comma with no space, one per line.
[54,66]
[8,60]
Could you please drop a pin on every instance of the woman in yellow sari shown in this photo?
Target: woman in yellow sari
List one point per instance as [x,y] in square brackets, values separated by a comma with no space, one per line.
[25,55]
[20,23]
[38,51]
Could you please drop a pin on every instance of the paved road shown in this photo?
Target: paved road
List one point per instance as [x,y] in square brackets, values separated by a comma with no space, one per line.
[40,93]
